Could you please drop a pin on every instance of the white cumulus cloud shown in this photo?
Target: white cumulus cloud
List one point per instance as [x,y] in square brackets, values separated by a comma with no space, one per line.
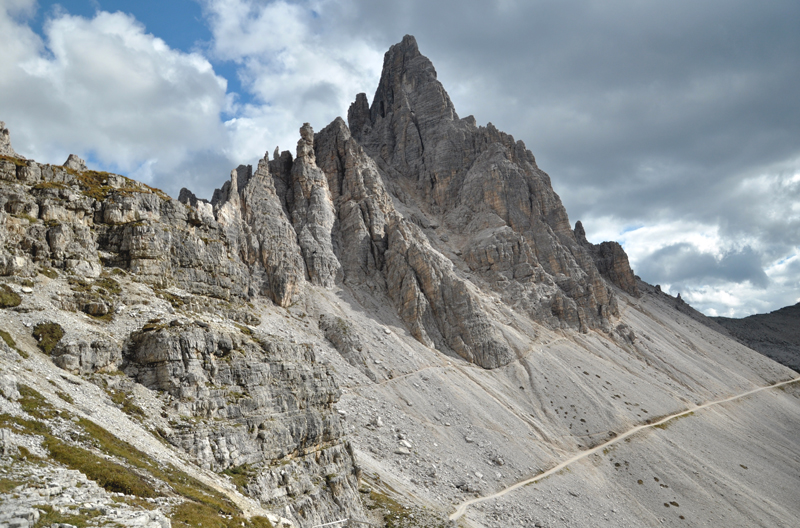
[105,89]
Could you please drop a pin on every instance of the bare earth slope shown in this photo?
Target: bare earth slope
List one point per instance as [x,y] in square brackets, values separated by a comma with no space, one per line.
[392,321]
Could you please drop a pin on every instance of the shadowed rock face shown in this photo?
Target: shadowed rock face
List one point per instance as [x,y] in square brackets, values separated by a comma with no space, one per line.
[611,261]
[381,249]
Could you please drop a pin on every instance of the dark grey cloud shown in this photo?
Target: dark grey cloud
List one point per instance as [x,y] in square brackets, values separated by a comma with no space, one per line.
[684,263]
[651,104]
[643,113]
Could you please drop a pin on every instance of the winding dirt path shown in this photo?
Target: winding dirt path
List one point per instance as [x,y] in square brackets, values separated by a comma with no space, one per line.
[462,508]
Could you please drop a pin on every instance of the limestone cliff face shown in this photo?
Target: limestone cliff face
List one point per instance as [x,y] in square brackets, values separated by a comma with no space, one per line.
[83,221]
[312,212]
[245,400]
[484,187]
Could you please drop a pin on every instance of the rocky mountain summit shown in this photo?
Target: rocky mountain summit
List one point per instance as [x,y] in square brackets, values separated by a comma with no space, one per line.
[394,319]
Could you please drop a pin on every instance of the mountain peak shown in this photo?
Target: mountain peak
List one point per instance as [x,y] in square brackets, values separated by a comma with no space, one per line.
[408,45]
[408,82]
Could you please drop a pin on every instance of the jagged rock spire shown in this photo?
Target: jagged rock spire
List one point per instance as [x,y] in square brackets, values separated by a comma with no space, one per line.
[5,142]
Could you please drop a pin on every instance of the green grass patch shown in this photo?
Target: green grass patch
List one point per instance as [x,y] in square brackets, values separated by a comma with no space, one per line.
[191,515]
[7,484]
[135,501]
[395,515]
[94,184]
[129,407]
[64,396]
[109,475]
[23,425]
[8,297]
[48,185]
[35,404]
[241,476]
[16,161]
[79,285]
[50,517]
[182,483]
[8,339]
[243,329]
[109,284]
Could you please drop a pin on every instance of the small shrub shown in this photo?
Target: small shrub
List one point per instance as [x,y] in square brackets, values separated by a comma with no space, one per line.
[48,335]
[8,297]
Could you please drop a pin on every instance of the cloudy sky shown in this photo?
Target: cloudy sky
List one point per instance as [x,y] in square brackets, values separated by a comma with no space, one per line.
[672,127]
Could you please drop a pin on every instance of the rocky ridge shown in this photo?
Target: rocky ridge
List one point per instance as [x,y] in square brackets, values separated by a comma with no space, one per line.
[395,318]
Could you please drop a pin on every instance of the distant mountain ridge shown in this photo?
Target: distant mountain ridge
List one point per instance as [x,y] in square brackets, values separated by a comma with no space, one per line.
[775,334]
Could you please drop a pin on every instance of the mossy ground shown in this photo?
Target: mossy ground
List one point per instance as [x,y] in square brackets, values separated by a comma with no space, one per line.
[129,407]
[6,337]
[48,335]
[50,517]
[8,297]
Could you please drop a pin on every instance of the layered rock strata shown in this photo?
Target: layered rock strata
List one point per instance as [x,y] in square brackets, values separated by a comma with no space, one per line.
[264,405]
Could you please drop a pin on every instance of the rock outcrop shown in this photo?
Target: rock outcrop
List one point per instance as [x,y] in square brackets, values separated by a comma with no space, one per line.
[75,163]
[5,142]
[253,401]
[611,261]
